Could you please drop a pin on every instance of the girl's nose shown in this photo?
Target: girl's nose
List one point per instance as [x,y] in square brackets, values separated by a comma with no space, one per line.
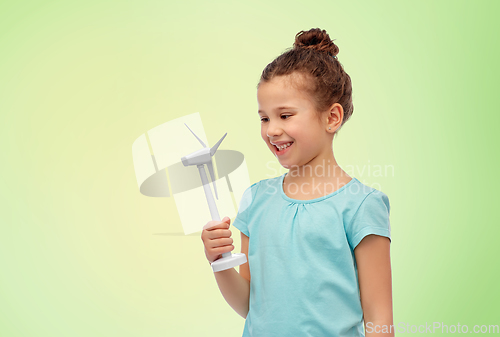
[273,130]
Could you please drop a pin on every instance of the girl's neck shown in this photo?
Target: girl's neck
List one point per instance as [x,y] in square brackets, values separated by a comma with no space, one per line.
[322,168]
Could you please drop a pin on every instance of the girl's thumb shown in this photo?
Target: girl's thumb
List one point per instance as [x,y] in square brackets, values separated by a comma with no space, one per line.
[225,219]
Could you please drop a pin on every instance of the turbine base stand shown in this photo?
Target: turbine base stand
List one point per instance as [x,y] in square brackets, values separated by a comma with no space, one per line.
[228,262]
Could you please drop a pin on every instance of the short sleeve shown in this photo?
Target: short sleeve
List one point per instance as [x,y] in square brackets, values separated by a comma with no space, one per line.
[244,210]
[372,217]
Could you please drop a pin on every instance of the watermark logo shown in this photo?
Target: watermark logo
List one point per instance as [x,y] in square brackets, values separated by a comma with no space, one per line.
[403,327]
[324,178]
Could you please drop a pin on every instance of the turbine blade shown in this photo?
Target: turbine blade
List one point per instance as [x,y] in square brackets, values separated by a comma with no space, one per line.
[196,136]
[216,146]
[212,175]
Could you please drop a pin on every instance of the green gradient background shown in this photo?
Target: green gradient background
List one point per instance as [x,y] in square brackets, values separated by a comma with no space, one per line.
[83,253]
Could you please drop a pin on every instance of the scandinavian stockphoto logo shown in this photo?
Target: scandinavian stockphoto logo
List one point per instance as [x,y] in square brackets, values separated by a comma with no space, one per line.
[317,185]
[434,327]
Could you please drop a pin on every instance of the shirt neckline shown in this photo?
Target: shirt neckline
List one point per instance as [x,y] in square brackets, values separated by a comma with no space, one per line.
[297,201]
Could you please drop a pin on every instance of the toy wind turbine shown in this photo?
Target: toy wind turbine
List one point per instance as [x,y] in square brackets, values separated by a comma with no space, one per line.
[200,158]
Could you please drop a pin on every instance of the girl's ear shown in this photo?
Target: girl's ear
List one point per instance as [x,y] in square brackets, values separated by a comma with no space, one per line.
[334,117]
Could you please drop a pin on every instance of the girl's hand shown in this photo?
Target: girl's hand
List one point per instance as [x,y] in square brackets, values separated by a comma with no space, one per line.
[216,237]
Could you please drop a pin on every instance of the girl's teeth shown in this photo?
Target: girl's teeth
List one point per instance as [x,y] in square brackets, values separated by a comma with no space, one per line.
[281,148]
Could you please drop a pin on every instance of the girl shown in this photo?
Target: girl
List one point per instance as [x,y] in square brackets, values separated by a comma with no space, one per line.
[317,240]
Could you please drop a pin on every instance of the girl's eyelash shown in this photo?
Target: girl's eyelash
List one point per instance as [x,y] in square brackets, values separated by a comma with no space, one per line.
[262,119]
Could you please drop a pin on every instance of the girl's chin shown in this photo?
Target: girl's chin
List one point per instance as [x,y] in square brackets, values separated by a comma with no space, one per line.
[284,162]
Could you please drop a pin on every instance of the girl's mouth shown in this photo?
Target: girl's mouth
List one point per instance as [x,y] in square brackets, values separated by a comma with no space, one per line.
[280,152]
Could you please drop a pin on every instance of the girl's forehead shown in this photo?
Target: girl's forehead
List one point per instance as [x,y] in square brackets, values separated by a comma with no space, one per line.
[280,90]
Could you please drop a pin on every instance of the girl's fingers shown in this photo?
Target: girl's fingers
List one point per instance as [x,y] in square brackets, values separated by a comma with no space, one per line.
[220,242]
[211,225]
[216,237]
[223,249]
[219,233]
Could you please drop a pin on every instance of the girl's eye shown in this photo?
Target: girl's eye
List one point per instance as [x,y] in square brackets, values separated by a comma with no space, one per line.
[264,119]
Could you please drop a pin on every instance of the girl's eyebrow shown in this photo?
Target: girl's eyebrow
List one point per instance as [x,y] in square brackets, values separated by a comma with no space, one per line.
[279,108]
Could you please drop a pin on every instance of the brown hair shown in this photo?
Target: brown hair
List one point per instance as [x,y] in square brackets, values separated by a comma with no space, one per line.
[314,55]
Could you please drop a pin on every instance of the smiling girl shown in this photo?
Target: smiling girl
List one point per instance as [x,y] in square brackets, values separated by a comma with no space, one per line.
[317,240]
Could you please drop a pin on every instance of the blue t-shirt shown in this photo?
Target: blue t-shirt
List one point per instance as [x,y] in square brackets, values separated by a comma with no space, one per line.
[304,278]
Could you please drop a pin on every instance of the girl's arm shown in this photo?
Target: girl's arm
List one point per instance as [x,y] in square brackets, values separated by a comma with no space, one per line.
[234,286]
[375,286]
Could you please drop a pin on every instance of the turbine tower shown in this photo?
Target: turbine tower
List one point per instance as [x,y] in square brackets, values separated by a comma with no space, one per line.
[200,158]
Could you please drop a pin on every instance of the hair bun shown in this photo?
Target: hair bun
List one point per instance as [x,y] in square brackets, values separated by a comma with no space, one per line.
[316,39]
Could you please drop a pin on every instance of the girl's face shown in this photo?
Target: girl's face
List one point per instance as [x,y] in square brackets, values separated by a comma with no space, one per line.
[288,115]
